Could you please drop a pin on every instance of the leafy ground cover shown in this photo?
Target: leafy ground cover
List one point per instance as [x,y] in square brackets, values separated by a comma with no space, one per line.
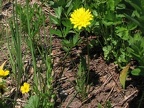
[57,59]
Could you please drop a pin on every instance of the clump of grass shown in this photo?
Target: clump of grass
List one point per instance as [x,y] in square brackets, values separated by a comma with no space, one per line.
[25,27]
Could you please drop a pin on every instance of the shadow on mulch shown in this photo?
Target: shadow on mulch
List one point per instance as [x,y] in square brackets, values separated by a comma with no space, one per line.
[137,82]
[7,6]
[136,101]
[93,78]
[8,103]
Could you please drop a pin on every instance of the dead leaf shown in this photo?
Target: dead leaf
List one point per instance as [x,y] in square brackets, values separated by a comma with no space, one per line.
[123,75]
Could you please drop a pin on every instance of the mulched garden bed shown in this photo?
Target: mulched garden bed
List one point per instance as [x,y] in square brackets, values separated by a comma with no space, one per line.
[103,79]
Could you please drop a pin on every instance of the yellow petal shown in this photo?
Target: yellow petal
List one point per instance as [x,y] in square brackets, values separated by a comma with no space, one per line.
[6,72]
[1,67]
[3,73]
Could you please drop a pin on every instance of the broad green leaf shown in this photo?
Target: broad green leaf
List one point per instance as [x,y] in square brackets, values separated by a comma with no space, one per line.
[139,71]
[136,72]
[123,75]
[58,12]
[75,39]
[33,102]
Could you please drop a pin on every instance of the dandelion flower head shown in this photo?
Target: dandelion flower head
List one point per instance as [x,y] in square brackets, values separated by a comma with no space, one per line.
[81,18]
[25,88]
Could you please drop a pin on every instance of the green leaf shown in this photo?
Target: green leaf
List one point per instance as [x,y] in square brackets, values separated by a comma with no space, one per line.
[132,26]
[33,102]
[69,9]
[107,50]
[66,43]
[65,31]
[69,3]
[56,32]
[107,23]
[123,33]
[139,71]
[121,6]
[111,4]
[95,13]
[67,23]
[136,71]
[123,75]
[75,39]
[58,12]
[54,20]
[66,49]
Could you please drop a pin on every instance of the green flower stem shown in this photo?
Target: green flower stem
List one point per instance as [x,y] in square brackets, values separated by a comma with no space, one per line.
[88,59]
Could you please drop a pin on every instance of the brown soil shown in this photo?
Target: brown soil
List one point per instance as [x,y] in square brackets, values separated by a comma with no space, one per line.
[103,79]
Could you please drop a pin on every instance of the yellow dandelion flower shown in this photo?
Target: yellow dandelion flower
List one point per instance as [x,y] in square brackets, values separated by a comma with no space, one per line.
[81,18]
[3,73]
[25,88]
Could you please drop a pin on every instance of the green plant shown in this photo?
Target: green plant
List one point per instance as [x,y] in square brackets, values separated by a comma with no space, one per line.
[137,14]
[25,25]
[15,52]
[33,102]
[81,81]
[32,14]
[137,52]
[45,95]
[112,28]
[107,105]
[70,38]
